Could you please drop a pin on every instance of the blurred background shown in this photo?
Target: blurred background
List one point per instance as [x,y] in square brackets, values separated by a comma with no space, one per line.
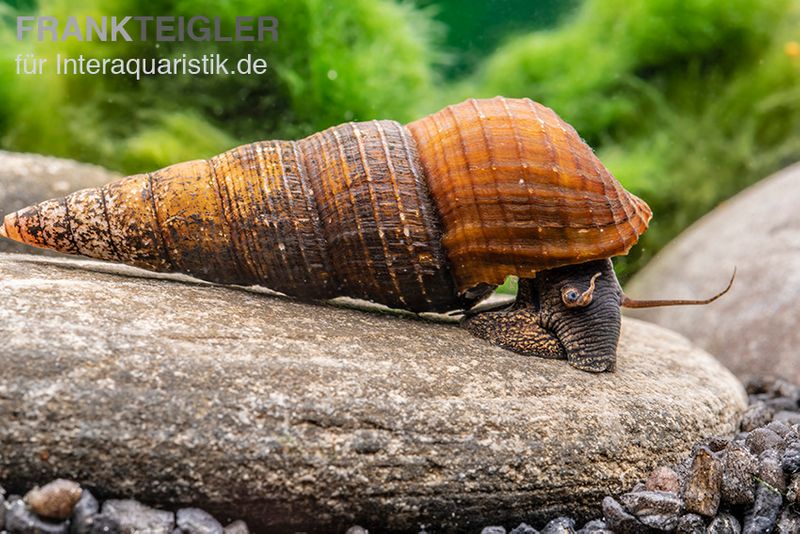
[685,101]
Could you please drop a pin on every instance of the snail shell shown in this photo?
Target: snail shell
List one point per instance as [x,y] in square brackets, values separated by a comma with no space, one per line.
[412,217]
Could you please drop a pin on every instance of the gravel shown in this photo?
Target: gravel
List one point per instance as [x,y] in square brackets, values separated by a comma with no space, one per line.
[748,485]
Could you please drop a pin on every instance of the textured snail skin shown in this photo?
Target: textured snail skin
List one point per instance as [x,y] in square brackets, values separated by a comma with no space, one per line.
[425,217]
[540,324]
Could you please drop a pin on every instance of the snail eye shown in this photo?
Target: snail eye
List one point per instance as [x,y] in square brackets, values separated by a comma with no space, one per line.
[570,295]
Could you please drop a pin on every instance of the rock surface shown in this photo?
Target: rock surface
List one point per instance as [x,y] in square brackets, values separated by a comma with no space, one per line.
[753,329]
[26,179]
[299,416]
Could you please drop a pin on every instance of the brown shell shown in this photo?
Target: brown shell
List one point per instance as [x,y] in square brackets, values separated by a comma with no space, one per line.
[518,191]
[406,216]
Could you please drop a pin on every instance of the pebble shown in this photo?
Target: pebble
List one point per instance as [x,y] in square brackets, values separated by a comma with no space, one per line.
[691,524]
[560,525]
[21,520]
[762,516]
[237,527]
[787,417]
[724,524]
[197,521]
[793,492]
[83,513]
[105,524]
[770,471]
[789,523]
[791,458]
[703,487]
[595,526]
[739,468]
[486,530]
[663,479]
[54,500]
[762,439]
[524,528]
[133,516]
[757,414]
[618,520]
[656,509]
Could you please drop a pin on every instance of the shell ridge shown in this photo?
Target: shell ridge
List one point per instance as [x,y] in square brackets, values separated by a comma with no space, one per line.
[159,227]
[108,224]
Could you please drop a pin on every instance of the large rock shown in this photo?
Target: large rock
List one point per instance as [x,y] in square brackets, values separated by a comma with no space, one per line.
[300,416]
[754,329]
[26,179]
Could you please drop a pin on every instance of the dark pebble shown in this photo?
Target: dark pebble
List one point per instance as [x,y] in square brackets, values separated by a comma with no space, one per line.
[779,428]
[762,439]
[690,524]
[791,458]
[739,467]
[793,492]
[663,479]
[134,516]
[770,471]
[657,509]
[83,514]
[524,528]
[197,521]
[618,520]
[789,523]
[761,518]
[104,524]
[595,526]
[724,524]
[238,527]
[20,520]
[703,486]
[2,508]
[488,530]
[560,525]
[757,414]
[787,417]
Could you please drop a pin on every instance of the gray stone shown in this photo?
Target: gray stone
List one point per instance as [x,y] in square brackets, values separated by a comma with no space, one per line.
[619,520]
[739,469]
[791,458]
[787,417]
[789,522]
[135,518]
[54,500]
[691,524]
[655,509]
[595,526]
[523,528]
[793,491]
[237,527]
[762,439]
[560,525]
[83,514]
[753,329]
[258,406]
[770,471]
[724,524]
[355,529]
[757,414]
[105,524]
[704,484]
[764,513]
[20,520]
[196,521]
[26,179]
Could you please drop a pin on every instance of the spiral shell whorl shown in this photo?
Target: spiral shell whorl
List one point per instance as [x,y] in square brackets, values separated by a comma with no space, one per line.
[519,191]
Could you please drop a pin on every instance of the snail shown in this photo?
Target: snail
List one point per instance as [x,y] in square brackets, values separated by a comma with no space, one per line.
[430,216]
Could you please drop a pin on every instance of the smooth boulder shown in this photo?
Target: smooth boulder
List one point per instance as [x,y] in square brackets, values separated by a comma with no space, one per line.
[26,179]
[753,330]
[312,417]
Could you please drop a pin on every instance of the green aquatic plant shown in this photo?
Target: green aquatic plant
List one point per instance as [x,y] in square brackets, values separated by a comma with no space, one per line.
[333,61]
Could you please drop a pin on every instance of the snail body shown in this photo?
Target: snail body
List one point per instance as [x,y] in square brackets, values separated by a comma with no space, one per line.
[426,217]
